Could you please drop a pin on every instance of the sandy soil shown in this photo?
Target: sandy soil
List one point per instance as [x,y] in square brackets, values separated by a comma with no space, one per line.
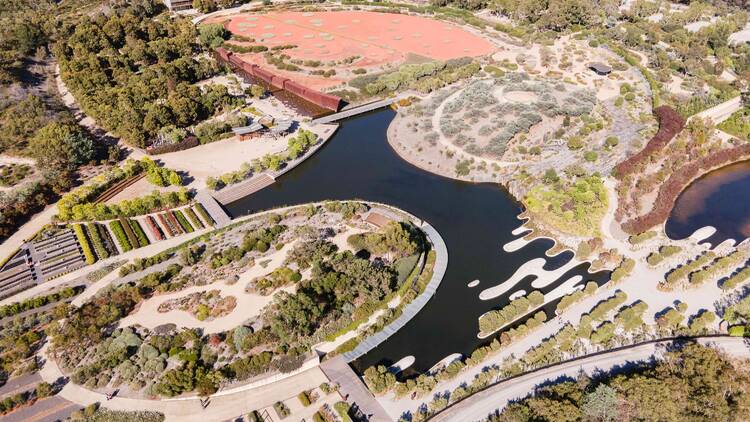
[249,305]
[378,40]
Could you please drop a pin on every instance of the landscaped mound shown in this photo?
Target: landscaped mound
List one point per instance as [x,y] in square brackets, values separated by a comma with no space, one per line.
[488,115]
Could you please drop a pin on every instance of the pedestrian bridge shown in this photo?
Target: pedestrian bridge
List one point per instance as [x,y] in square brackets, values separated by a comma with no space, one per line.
[356,110]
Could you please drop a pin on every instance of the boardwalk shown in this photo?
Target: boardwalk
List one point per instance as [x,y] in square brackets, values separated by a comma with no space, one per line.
[243,189]
[352,387]
[720,112]
[213,208]
[364,108]
[410,310]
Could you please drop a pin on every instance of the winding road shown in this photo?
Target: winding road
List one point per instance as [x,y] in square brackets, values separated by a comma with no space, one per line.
[493,399]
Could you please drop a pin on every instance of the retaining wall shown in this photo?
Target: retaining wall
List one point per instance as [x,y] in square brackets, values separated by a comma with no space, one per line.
[327,101]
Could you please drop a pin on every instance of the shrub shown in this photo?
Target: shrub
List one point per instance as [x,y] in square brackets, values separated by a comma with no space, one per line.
[342,408]
[183,221]
[193,218]
[670,124]
[129,233]
[120,235]
[642,237]
[281,409]
[93,234]
[139,234]
[204,214]
[88,254]
[737,331]
[304,398]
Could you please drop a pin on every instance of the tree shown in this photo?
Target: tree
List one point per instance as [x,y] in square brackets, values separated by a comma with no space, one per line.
[61,145]
[601,405]
[212,35]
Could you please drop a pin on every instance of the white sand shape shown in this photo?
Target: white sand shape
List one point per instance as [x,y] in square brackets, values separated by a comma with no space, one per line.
[248,306]
[520,229]
[568,286]
[402,364]
[532,267]
[703,233]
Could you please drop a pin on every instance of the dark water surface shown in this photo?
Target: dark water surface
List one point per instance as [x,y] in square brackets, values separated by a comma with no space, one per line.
[720,199]
[475,221]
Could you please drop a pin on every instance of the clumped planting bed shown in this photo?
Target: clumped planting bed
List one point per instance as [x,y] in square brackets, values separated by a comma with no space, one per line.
[276,317]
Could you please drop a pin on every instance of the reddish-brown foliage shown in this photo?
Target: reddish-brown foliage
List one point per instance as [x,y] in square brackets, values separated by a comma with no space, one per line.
[670,124]
[672,188]
[154,228]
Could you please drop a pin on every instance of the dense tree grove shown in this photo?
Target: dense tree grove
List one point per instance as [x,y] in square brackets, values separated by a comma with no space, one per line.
[133,70]
[693,383]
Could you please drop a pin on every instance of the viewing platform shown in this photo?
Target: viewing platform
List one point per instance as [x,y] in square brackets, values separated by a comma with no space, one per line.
[213,208]
[243,189]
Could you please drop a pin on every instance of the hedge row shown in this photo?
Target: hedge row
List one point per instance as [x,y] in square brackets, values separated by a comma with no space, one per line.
[494,320]
[671,189]
[719,266]
[84,242]
[194,218]
[670,124]
[93,233]
[109,243]
[186,227]
[139,233]
[129,233]
[167,225]
[155,229]
[600,311]
[736,279]
[680,273]
[204,214]
[122,238]
[38,301]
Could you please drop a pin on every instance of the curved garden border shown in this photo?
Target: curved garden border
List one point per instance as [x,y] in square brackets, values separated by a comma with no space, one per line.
[410,310]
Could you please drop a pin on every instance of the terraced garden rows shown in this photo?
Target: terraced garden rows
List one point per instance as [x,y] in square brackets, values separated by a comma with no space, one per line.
[125,234]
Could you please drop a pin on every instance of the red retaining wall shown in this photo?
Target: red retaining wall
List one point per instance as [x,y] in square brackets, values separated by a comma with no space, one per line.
[330,102]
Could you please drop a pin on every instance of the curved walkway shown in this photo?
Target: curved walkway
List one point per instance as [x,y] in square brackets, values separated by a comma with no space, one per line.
[493,399]
[410,310]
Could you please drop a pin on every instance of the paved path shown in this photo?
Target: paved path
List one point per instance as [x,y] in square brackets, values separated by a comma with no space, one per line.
[361,109]
[479,406]
[51,409]
[720,112]
[20,384]
[189,409]
[410,310]
[352,387]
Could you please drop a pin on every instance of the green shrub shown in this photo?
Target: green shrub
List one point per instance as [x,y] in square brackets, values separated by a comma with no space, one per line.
[737,331]
[93,234]
[120,235]
[317,417]
[642,237]
[342,408]
[183,221]
[193,218]
[139,233]
[304,398]
[88,254]
[204,214]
